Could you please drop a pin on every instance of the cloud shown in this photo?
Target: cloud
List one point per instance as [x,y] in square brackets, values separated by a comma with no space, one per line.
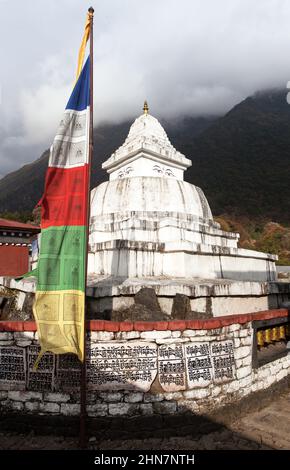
[186,57]
[40,108]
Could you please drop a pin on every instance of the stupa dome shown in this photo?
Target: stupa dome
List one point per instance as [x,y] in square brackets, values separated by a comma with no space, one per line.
[150,194]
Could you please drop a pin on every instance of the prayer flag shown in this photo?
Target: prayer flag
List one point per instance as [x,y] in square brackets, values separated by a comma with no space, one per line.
[60,296]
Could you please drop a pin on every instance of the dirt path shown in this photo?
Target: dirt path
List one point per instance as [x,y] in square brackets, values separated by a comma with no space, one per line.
[268,428]
[271,425]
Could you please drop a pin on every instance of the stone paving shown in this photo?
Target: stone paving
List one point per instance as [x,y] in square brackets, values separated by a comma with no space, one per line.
[267,428]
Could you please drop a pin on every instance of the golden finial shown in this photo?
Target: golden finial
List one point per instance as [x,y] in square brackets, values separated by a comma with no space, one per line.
[145,107]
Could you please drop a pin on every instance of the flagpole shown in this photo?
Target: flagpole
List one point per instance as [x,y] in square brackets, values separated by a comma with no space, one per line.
[83,411]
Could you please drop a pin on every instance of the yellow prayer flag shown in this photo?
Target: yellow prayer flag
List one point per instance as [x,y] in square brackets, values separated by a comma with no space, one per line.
[83,44]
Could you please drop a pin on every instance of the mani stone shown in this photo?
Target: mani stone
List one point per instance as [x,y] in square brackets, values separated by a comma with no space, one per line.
[181,307]
[122,366]
[138,312]
[147,298]
[146,308]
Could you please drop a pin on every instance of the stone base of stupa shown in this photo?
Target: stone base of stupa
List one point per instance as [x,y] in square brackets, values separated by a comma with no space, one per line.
[108,297]
[134,258]
[207,297]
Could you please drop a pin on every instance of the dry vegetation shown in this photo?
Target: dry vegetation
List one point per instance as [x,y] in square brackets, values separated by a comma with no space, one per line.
[260,235]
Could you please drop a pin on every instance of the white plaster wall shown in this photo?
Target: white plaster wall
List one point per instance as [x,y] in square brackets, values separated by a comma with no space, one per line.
[248,268]
[91,263]
[150,230]
[150,262]
[165,304]
[232,305]
[199,304]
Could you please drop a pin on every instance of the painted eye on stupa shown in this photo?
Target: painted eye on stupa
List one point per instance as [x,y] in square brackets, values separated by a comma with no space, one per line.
[128,170]
[157,169]
[168,172]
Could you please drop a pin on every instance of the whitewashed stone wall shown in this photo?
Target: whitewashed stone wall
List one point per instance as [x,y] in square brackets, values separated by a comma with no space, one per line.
[136,373]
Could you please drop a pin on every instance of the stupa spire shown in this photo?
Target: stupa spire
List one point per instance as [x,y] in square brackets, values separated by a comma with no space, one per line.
[145,107]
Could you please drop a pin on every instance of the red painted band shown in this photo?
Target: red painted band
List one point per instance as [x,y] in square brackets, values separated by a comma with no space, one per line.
[211,323]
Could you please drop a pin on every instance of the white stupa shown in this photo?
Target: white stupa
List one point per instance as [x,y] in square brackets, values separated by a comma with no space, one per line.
[149,226]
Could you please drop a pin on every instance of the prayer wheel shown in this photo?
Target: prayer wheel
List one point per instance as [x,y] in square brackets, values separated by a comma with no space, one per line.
[260,338]
[268,336]
[275,333]
[282,332]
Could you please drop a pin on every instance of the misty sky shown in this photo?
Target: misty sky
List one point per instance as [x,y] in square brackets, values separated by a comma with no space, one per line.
[186,57]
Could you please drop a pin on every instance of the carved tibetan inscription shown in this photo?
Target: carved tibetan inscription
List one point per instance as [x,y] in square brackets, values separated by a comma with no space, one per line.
[198,364]
[41,379]
[119,366]
[209,362]
[222,353]
[12,368]
[171,367]
[68,372]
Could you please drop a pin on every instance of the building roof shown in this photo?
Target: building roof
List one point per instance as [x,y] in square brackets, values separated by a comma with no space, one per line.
[15,224]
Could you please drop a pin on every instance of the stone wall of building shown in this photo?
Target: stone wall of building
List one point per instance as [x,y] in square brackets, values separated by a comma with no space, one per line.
[140,368]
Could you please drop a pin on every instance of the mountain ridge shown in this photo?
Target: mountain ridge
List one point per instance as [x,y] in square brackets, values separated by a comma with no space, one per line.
[241,160]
